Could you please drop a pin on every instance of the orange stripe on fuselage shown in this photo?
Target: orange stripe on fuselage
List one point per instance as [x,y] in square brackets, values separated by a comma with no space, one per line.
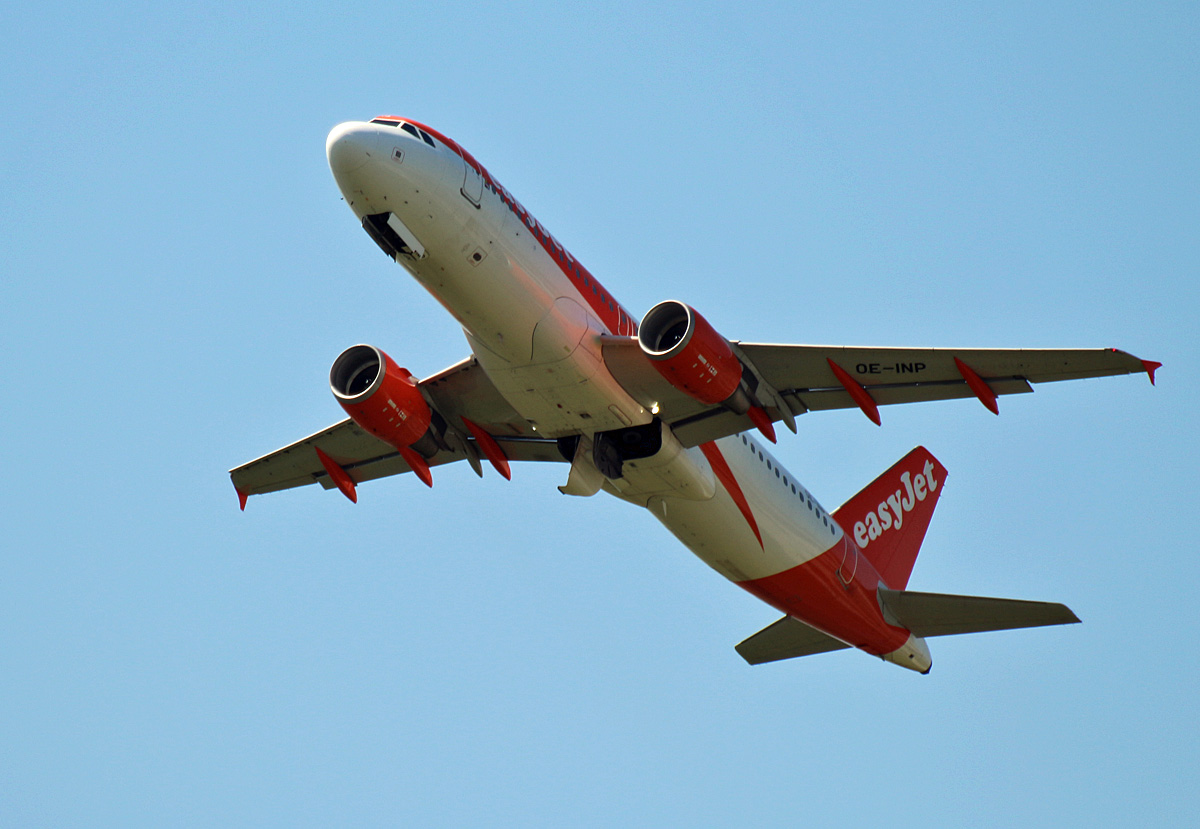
[725,476]
[813,592]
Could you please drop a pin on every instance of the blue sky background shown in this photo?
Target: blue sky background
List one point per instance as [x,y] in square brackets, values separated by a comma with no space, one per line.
[179,273]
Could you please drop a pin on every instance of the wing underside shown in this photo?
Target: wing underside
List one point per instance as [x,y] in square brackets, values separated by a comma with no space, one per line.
[363,457]
[462,390]
[801,374]
[805,379]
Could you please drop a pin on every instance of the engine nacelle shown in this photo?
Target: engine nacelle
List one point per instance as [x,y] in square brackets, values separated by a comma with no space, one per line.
[689,353]
[382,398]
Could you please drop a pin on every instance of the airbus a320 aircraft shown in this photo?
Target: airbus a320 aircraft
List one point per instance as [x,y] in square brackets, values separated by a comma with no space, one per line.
[661,413]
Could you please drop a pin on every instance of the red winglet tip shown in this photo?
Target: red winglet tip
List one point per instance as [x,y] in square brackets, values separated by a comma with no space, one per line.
[760,419]
[1151,366]
[242,499]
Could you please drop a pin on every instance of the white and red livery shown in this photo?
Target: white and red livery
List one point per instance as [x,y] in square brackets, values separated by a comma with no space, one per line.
[660,413]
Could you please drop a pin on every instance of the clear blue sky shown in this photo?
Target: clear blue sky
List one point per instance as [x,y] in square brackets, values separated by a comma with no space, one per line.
[179,272]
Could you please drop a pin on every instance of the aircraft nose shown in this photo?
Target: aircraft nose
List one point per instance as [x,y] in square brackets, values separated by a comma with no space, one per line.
[350,146]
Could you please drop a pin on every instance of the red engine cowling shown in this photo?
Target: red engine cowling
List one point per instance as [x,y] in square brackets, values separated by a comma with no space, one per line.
[380,396]
[689,352]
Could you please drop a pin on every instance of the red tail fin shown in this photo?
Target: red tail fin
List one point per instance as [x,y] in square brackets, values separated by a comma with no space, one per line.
[888,518]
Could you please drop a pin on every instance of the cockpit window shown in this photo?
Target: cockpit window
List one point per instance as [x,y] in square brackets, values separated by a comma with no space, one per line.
[420,135]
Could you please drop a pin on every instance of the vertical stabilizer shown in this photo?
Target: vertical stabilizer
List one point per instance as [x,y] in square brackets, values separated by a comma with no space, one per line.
[888,519]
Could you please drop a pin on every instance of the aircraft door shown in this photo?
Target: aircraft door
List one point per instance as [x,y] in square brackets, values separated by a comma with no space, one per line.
[624,324]
[472,187]
[849,565]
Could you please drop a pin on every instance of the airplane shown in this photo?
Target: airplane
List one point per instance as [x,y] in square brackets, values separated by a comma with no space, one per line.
[661,412]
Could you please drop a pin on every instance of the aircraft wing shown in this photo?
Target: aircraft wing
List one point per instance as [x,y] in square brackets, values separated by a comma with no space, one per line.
[805,378]
[460,390]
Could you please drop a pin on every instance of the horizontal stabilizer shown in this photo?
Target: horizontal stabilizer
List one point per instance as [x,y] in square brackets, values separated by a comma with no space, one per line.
[942,614]
[785,639]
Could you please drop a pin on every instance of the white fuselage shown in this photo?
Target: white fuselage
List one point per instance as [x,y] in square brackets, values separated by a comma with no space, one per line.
[534,316]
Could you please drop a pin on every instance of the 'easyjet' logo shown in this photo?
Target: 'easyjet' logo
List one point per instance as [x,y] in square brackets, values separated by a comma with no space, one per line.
[890,513]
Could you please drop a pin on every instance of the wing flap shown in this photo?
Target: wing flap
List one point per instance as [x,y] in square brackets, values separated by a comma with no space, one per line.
[786,639]
[943,614]
[823,399]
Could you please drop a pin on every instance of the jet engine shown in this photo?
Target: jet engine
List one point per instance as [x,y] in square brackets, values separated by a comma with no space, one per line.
[383,399]
[691,355]
[686,350]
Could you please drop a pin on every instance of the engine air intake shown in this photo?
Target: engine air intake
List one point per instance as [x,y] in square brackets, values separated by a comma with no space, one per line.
[686,350]
[356,373]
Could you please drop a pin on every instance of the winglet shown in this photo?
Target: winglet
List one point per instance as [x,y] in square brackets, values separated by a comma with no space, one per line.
[1151,366]
[859,394]
[977,384]
[344,482]
[490,448]
[242,496]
